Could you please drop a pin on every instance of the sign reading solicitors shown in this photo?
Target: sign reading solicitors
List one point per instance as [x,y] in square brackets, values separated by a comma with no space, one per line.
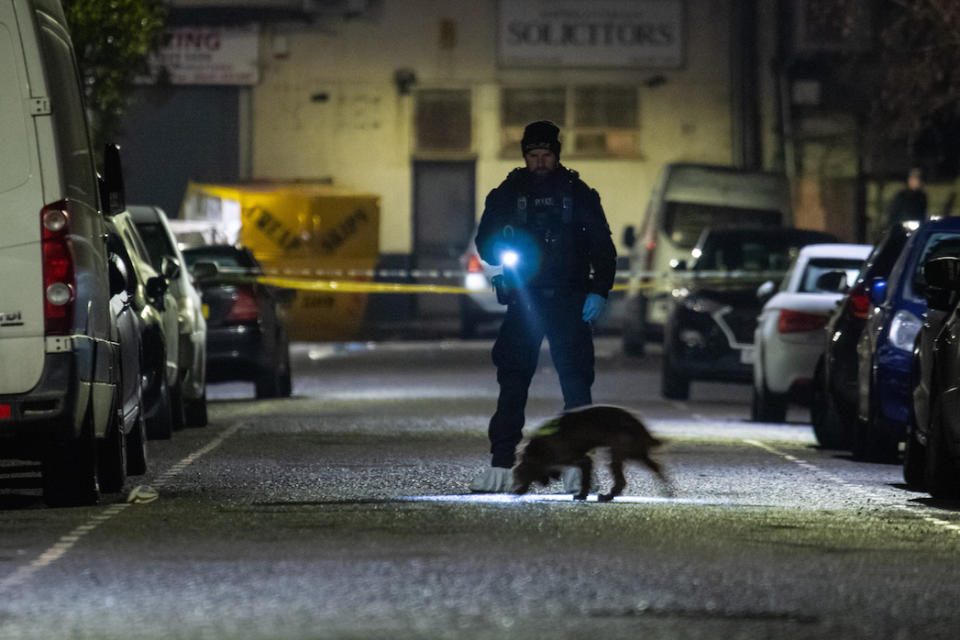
[598,33]
[210,55]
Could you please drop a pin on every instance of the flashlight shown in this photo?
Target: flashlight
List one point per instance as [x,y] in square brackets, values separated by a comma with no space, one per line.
[509,258]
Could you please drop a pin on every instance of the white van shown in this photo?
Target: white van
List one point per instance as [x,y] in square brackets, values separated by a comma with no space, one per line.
[687,198]
[58,344]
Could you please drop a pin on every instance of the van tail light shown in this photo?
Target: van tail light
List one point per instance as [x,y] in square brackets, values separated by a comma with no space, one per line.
[473,264]
[59,279]
[796,321]
[244,307]
[859,303]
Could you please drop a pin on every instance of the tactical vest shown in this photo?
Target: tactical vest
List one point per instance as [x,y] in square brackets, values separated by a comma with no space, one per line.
[557,238]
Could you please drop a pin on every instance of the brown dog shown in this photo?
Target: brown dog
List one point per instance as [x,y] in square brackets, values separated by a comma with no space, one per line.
[568,440]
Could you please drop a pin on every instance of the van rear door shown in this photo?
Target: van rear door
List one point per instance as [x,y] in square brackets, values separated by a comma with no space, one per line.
[21,199]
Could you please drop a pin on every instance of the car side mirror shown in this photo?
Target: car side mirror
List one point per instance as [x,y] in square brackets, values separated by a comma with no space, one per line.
[629,236]
[766,290]
[170,268]
[118,275]
[112,192]
[835,281]
[878,291]
[156,289]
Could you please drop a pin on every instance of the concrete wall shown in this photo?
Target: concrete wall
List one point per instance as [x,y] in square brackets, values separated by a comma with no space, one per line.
[328,107]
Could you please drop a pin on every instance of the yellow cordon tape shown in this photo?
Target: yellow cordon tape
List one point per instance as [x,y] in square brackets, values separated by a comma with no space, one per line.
[356,286]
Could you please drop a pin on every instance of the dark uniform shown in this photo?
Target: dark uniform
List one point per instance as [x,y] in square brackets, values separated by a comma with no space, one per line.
[556,225]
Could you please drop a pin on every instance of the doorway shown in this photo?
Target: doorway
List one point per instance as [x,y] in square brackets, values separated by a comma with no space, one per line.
[444,216]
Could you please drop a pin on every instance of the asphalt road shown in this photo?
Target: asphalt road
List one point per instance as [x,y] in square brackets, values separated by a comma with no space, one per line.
[343,512]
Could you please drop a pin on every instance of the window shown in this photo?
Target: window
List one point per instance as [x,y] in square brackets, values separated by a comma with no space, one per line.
[443,120]
[597,120]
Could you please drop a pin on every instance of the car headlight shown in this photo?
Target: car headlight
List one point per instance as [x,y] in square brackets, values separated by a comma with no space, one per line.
[903,330]
[701,305]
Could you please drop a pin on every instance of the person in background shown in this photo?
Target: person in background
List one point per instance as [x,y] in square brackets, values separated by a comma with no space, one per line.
[547,229]
[909,203]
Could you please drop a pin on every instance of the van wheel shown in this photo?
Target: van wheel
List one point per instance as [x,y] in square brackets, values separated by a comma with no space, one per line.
[70,474]
[673,384]
[112,453]
[195,411]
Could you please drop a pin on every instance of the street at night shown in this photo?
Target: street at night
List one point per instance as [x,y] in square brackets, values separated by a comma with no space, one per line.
[344,512]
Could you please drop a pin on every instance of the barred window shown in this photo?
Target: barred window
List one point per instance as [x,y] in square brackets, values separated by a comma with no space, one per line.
[443,121]
[597,120]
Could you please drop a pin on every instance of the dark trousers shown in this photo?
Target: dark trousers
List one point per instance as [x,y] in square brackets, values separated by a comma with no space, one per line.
[534,316]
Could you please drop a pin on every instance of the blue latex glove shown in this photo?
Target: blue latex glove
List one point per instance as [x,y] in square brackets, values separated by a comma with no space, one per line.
[593,306]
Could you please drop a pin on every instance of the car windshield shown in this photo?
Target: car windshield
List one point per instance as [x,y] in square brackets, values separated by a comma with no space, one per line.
[227,259]
[158,244]
[816,267]
[747,252]
[685,220]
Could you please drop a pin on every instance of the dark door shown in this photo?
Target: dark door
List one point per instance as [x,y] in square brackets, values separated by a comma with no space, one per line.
[176,134]
[443,222]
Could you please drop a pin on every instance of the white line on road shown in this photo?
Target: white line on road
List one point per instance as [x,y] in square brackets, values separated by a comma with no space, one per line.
[865,493]
[66,542]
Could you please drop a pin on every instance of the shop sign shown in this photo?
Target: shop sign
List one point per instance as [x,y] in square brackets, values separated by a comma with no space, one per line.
[210,55]
[599,33]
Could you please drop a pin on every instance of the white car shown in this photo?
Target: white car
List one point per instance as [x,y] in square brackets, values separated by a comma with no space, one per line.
[789,333]
[480,305]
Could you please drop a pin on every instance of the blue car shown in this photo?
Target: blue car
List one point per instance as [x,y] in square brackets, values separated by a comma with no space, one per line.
[885,348]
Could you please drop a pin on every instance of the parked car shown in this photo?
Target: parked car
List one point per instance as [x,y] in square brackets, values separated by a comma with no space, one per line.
[686,199]
[833,410]
[157,307]
[714,306]
[192,326]
[931,458]
[247,335]
[788,338]
[480,305]
[885,348]
[58,337]
[124,452]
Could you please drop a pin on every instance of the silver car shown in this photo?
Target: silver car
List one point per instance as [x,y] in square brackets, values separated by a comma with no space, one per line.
[155,230]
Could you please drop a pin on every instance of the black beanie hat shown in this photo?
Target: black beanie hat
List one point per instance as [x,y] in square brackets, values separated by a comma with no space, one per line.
[542,134]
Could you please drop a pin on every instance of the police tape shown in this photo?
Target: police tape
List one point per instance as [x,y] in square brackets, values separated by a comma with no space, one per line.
[635,281]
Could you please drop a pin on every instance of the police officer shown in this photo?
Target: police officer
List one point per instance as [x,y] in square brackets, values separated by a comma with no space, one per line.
[546,227]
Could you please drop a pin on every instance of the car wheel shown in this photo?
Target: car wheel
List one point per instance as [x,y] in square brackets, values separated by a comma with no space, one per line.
[673,384]
[767,406]
[160,421]
[941,477]
[112,452]
[826,422]
[70,474]
[195,411]
[634,334]
[267,385]
[178,418]
[137,446]
[914,462]
[869,445]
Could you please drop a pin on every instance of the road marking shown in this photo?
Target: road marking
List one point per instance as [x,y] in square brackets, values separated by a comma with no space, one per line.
[66,542]
[865,493]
